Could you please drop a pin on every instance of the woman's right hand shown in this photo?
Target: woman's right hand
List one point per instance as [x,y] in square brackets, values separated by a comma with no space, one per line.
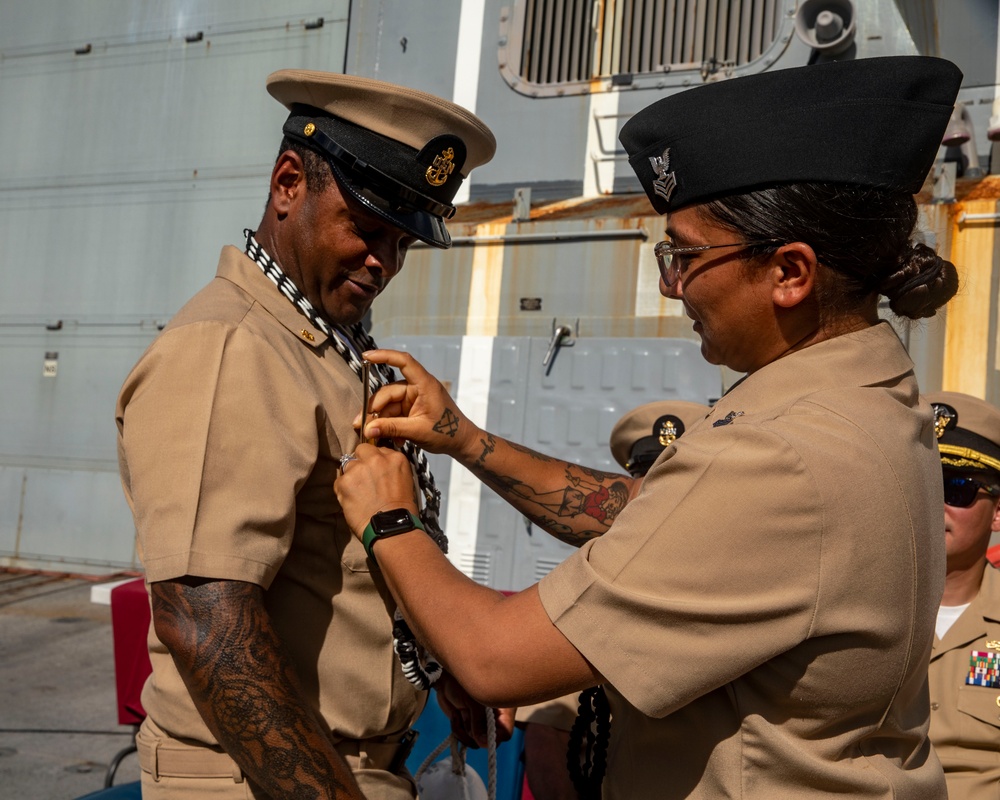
[417,408]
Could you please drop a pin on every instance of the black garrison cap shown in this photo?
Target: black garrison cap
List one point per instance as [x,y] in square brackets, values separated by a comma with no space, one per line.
[874,122]
[401,152]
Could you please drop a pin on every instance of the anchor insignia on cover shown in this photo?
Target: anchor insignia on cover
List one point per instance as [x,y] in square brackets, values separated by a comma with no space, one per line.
[438,172]
[670,429]
[945,418]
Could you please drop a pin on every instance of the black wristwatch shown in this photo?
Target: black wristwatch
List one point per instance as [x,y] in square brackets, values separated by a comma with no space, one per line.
[388,523]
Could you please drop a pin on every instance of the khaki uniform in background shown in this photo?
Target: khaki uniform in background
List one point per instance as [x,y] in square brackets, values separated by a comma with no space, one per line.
[737,605]
[559,713]
[965,719]
[234,421]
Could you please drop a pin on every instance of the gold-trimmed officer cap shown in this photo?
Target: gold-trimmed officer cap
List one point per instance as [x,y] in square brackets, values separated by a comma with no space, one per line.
[640,436]
[401,152]
[871,122]
[968,431]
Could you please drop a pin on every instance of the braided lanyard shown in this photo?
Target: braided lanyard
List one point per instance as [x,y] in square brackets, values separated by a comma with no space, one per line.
[419,667]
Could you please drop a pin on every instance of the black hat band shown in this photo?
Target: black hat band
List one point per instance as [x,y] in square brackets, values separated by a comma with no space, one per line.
[387,187]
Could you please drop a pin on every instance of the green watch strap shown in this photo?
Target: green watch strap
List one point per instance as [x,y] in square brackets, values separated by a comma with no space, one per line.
[369,537]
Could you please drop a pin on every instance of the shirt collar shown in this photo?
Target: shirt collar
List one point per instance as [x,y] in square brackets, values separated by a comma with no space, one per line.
[236,267]
[867,357]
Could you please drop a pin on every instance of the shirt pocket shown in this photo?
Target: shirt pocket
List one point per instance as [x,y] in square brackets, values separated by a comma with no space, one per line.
[979,726]
[355,559]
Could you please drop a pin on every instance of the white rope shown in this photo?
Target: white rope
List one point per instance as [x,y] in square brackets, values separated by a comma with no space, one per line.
[448,742]
[458,756]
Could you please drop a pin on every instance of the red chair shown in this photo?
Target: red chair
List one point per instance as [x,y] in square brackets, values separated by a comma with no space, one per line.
[129,627]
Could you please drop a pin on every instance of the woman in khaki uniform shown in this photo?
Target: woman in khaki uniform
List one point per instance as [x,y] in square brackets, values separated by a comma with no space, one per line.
[761,612]
[964,684]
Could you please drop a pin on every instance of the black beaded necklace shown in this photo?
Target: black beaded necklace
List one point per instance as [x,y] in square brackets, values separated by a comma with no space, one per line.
[588,743]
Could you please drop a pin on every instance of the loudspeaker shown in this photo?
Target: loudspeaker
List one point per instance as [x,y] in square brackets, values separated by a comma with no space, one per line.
[993,131]
[827,26]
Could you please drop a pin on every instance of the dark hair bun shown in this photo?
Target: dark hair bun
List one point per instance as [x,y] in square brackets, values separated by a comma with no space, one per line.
[921,284]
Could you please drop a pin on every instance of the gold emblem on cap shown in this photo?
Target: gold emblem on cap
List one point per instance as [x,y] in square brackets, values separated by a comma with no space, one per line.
[668,432]
[943,416]
[438,172]
[306,335]
[309,129]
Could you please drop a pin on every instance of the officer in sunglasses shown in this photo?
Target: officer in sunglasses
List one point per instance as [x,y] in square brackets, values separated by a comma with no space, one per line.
[965,660]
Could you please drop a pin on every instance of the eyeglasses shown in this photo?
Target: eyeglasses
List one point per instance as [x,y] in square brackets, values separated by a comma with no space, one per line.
[961,492]
[670,270]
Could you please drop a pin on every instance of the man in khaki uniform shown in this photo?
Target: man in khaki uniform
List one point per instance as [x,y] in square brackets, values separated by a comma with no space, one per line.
[637,439]
[272,639]
[965,661]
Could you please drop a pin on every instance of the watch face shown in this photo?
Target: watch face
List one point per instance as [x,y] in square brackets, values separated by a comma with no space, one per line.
[397,520]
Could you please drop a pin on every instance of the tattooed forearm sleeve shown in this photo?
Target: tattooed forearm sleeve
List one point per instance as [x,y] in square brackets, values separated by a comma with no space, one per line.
[571,502]
[235,667]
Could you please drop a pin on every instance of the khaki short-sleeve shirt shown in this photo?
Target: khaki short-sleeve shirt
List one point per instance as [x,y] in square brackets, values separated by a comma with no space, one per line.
[230,430]
[965,718]
[762,610]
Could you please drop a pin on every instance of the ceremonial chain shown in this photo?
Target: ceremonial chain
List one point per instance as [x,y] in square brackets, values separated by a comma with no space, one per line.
[588,740]
[419,667]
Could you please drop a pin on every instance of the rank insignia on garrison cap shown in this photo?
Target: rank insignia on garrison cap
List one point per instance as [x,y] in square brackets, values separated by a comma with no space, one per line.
[665,182]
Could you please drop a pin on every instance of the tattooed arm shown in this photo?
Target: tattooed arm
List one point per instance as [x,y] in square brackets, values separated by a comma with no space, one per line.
[245,688]
[571,502]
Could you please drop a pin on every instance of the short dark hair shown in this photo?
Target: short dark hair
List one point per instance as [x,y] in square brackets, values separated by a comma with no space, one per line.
[317,170]
[862,234]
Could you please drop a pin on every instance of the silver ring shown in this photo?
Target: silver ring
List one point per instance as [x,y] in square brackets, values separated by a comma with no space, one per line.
[344,459]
